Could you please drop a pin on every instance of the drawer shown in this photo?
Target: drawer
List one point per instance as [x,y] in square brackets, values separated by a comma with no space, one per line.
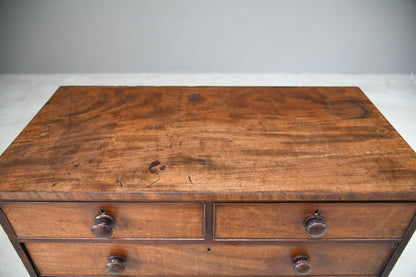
[340,258]
[131,220]
[287,220]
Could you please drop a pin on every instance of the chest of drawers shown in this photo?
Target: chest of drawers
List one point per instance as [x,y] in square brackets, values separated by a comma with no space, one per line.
[208,181]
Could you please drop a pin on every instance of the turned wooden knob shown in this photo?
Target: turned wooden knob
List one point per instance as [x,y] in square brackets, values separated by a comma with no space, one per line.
[315,226]
[116,264]
[302,264]
[103,227]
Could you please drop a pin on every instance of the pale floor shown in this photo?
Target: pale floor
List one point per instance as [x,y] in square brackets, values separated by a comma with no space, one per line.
[21,96]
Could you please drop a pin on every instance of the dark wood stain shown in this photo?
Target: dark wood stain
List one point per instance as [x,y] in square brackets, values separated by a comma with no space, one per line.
[357,110]
[195,98]
[152,165]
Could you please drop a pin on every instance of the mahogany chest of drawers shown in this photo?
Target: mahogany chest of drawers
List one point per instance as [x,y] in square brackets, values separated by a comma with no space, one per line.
[208,181]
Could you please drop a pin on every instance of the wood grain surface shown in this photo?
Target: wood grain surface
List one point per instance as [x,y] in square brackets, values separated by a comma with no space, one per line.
[221,260]
[285,221]
[138,220]
[208,143]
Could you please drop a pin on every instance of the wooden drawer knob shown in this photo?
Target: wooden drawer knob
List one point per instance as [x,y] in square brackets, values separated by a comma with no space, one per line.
[315,226]
[103,227]
[116,264]
[302,264]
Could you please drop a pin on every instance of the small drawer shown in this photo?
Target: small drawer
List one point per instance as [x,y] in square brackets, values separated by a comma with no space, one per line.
[323,259]
[129,220]
[301,220]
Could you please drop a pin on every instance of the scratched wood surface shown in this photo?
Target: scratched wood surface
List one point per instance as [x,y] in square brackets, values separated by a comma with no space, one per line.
[208,143]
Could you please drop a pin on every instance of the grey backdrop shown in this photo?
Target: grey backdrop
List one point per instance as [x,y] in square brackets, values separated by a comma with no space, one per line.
[86,36]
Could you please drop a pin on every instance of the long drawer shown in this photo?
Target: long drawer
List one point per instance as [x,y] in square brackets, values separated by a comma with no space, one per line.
[287,220]
[326,259]
[131,220]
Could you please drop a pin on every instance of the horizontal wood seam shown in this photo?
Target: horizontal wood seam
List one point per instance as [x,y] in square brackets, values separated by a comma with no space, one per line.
[208,197]
[219,202]
[201,241]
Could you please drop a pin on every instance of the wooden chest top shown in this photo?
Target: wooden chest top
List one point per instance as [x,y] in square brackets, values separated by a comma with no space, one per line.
[208,144]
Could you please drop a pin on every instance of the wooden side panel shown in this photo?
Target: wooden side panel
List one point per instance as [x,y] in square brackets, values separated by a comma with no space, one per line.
[285,220]
[19,247]
[138,220]
[223,259]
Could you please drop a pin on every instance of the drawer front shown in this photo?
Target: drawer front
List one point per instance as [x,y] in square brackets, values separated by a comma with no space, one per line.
[132,220]
[286,221]
[222,259]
